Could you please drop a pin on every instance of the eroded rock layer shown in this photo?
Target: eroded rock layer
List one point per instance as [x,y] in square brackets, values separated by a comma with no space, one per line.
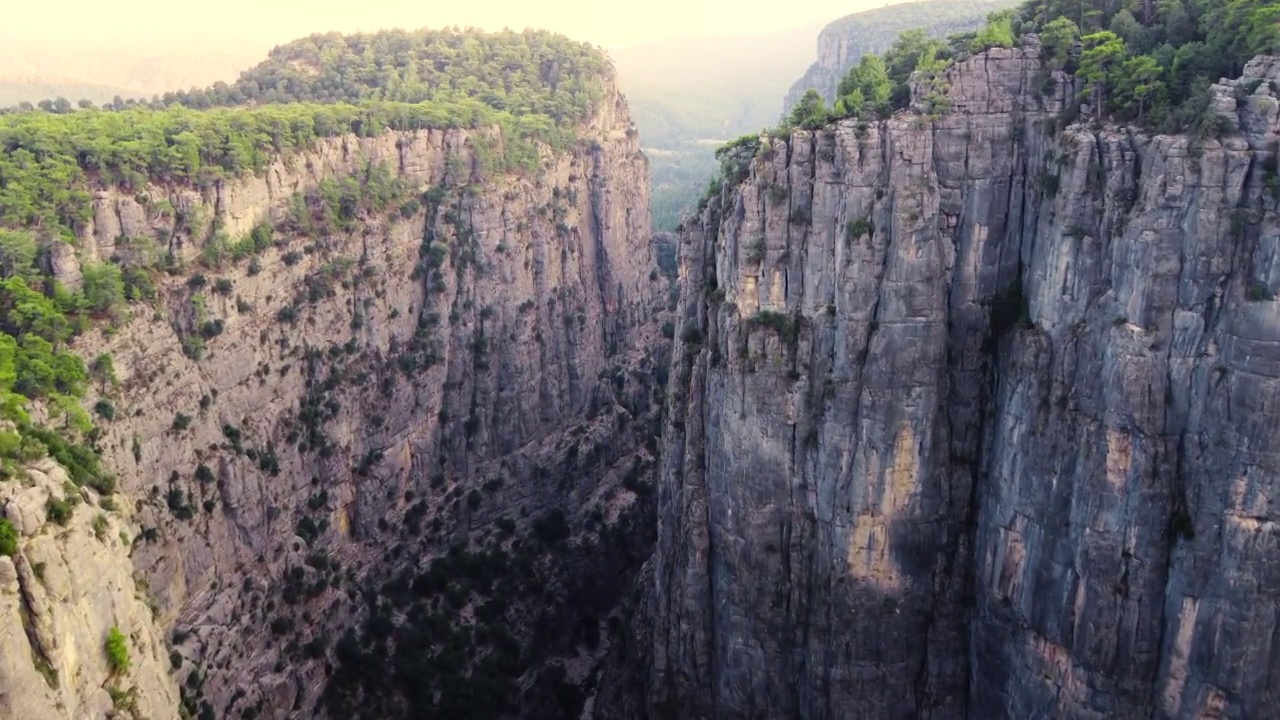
[975,415]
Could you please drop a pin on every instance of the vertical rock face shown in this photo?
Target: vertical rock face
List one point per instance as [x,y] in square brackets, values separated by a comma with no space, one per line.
[68,585]
[974,416]
[354,387]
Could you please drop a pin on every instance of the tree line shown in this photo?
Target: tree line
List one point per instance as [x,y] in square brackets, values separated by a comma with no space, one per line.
[48,162]
[1149,62]
[534,72]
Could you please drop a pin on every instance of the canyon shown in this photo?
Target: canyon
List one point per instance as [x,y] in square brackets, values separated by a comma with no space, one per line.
[970,412]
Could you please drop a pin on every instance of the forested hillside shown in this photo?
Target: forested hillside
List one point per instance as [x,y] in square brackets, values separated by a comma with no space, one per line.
[530,72]
[1155,71]
[534,85]
[843,42]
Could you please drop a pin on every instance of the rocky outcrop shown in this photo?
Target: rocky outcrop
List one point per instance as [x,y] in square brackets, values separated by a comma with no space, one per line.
[842,43]
[70,583]
[480,355]
[974,415]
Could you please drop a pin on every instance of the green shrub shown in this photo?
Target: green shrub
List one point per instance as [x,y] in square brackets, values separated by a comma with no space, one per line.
[998,32]
[105,409]
[104,369]
[1258,292]
[8,538]
[103,287]
[857,228]
[58,511]
[117,652]
[784,325]
[211,329]
[178,505]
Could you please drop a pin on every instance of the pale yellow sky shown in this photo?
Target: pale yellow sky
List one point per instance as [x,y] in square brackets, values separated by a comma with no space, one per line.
[611,23]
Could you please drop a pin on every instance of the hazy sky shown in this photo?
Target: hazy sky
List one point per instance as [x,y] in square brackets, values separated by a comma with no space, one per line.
[611,23]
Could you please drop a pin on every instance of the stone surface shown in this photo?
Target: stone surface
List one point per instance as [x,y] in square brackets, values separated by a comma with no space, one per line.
[59,596]
[1002,443]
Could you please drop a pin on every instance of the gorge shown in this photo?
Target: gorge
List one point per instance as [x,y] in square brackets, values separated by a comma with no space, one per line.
[965,410]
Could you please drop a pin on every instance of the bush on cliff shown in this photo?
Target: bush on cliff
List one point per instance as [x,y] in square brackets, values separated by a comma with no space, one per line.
[8,538]
[117,648]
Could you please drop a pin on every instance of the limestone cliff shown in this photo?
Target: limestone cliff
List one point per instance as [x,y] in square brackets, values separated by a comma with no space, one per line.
[332,414]
[69,584]
[974,415]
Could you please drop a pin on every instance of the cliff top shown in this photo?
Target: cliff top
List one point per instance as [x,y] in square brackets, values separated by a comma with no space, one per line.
[843,42]
[536,85]
[530,72]
[1154,69]
[536,88]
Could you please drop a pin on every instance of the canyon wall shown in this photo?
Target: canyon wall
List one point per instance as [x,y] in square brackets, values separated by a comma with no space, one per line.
[286,425]
[975,415]
[971,412]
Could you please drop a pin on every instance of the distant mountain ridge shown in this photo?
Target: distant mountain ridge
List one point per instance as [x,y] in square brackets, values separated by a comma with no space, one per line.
[32,71]
[689,95]
[714,87]
[843,42]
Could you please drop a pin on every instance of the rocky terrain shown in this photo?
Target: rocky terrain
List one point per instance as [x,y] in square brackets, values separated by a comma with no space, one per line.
[55,617]
[974,415]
